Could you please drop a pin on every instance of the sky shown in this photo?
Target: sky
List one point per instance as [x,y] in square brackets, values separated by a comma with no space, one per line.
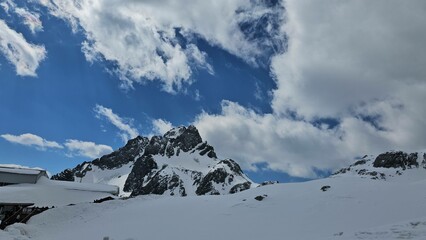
[292,90]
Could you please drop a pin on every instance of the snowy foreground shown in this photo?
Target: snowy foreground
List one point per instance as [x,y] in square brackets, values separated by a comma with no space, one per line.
[352,208]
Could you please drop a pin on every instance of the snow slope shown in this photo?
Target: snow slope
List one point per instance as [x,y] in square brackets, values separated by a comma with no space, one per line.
[116,176]
[48,193]
[352,208]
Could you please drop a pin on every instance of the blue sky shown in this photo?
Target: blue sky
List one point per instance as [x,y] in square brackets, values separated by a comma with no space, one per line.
[59,103]
[291,91]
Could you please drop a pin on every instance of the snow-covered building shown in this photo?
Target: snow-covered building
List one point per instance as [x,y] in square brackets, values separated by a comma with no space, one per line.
[25,192]
[16,175]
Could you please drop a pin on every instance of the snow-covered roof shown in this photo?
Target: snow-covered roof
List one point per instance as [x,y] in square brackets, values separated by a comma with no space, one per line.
[11,174]
[26,171]
[48,192]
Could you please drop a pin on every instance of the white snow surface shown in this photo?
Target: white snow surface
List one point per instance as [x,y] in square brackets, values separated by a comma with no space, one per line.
[14,168]
[116,177]
[353,208]
[48,193]
[20,171]
[18,166]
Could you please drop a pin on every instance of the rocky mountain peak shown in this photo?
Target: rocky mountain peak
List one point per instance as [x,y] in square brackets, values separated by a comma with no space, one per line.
[186,138]
[176,163]
[176,140]
[175,132]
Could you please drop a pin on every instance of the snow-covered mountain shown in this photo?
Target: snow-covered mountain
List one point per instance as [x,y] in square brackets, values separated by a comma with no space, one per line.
[377,197]
[177,163]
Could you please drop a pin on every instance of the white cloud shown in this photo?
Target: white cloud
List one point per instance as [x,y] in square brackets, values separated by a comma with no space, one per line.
[161,126]
[87,149]
[360,63]
[346,54]
[31,140]
[75,147]
[25,56]
[31,19]
[141,36]
[124,125]
[289,146]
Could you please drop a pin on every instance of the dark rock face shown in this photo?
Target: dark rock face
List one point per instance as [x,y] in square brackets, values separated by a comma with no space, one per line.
[181,139]
[221,176]
[207,149]
[240,187]
[217,176]
[188,140]
[143,166]
[160,184]
[122,156]
[66,175]
[360,162]
[232,165]
[373,174]
[396,160]
[363,161]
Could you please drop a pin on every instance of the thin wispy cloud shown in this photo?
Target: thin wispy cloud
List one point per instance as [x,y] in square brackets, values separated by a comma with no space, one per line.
[30,19]
[26,57]
[72,146]
[32,140]
[125,126]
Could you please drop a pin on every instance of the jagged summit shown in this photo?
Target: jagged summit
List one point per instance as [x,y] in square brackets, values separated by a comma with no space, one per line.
[387,165]
[176,163]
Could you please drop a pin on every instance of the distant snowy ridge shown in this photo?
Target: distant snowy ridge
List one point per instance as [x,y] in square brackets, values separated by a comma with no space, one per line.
[177,163]
[388,165]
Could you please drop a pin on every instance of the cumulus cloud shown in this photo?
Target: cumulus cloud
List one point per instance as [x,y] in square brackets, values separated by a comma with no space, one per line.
[25,56]
[343,55]
[352,82]
[295,147]
[87,149]
[127,131]
[31,140]
[161,126]
[151,40]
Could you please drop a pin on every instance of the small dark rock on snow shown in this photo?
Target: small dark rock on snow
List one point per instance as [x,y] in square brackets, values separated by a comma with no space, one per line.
[260,198]
[325,188]
[103,200]
[268,183]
